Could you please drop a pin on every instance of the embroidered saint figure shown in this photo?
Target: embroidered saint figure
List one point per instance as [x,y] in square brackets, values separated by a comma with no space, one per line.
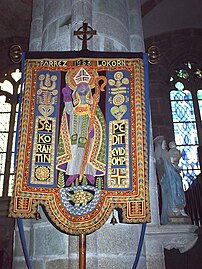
[81,148]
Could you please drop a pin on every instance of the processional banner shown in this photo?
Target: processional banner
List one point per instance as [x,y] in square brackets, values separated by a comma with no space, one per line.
[82,146]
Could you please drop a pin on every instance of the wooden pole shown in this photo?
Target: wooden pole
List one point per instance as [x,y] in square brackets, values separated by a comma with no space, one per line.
[82,251]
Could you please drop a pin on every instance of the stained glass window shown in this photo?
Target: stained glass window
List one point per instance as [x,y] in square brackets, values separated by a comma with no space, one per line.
[185,131]
[8,110]
[4,128]
[184,83]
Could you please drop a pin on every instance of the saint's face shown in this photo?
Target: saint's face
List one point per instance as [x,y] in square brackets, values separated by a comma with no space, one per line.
[83,89]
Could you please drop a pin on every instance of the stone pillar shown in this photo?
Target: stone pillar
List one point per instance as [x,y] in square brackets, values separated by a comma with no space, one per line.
[56,25]
[111,20]
[81,12]
[36,25]
[136,31]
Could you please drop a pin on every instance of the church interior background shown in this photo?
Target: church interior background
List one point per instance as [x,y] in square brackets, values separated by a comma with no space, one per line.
[172,33]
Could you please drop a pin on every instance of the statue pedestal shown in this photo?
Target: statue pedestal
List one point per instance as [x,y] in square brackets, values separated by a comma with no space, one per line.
[158,237]
[180,220]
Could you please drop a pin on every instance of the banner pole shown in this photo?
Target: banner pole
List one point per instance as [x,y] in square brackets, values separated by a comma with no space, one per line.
[82,251]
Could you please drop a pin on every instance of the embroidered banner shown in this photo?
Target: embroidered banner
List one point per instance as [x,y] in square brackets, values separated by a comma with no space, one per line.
[82,147]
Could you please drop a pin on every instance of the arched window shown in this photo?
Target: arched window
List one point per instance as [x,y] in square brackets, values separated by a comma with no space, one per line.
[9,88]
[186,108]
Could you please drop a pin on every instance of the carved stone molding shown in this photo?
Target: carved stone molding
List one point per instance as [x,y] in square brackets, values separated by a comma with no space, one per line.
[160,237]
[182,236]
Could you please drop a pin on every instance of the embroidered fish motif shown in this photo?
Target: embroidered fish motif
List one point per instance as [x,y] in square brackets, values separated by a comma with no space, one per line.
[80,197]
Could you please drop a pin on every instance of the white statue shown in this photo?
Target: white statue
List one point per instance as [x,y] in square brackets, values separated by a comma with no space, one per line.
[173,197]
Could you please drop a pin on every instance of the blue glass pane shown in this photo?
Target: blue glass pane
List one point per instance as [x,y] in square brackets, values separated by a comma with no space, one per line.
[182,111]
[186,176]
[190,175]
[200,108]
[199,96]
[185,133]
[182,106]
[179,86]
[189,163]
[189,159]
[180,95]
